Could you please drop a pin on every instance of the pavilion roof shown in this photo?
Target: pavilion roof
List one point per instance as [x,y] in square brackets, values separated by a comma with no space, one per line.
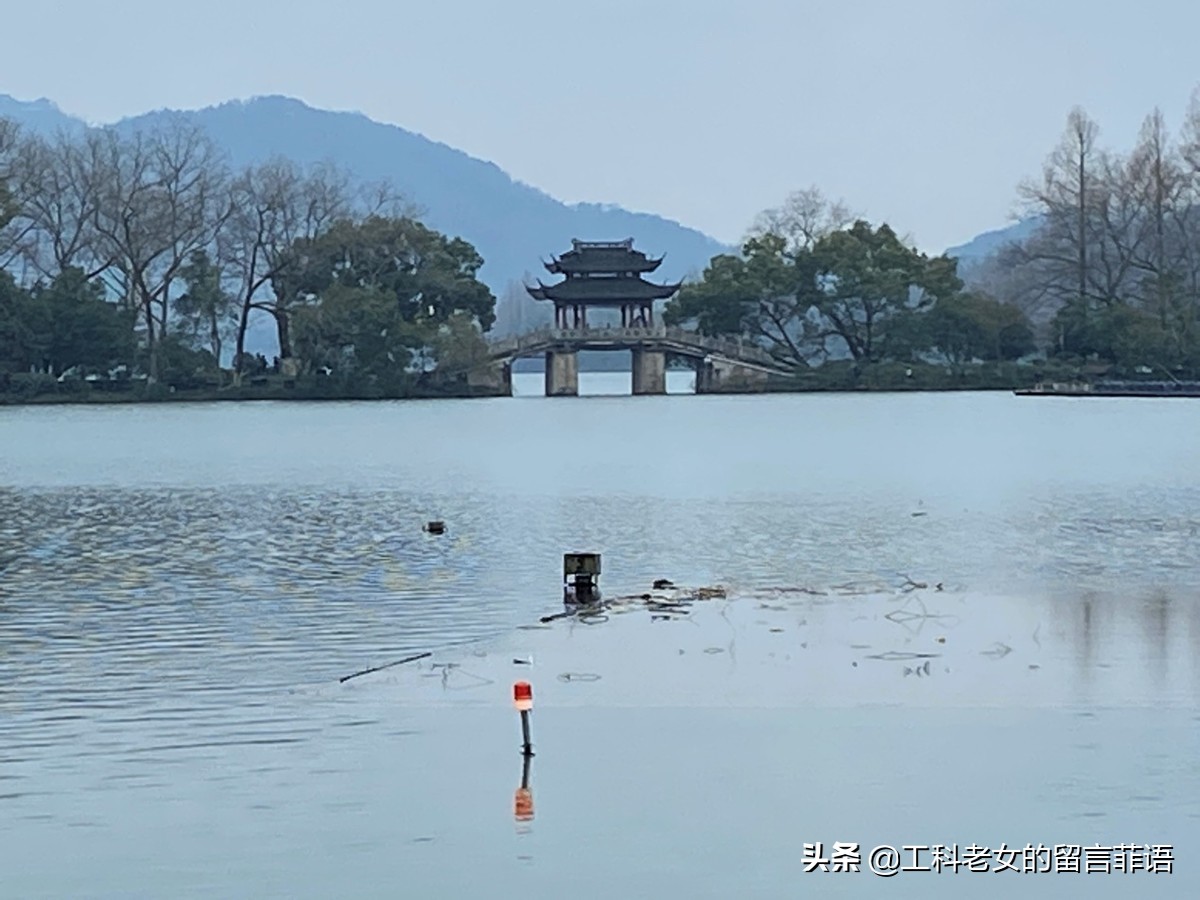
[602,256]
[603,291]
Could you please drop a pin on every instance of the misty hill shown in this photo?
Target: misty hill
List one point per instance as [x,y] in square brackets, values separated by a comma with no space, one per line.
[39,116]
[513,225]
[984,245]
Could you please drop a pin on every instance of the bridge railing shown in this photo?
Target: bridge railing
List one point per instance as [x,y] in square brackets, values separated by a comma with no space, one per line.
[736,348]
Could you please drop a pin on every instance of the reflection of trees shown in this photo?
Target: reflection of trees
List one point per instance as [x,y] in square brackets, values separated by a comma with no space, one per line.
[1193,615]
[1087,633]
[1133,630]
[1155,621]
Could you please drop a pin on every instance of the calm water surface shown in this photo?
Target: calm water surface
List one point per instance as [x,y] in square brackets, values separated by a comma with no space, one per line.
[182,586]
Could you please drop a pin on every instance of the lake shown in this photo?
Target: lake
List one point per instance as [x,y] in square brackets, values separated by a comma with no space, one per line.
[961,617]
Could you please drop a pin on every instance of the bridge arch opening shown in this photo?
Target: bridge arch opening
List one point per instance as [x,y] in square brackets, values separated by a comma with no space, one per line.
[607,373]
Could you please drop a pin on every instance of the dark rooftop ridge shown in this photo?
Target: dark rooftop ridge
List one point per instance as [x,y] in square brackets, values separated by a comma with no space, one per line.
[602,258]
[606,273]
[626,244]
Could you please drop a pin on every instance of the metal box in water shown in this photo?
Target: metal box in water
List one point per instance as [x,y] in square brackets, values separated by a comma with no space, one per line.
[581,577]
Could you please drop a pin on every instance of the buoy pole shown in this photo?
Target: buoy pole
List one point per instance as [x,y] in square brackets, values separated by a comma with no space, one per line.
[528,749]
[523,701]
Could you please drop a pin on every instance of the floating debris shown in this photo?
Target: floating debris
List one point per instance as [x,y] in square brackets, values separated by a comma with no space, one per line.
[997,651]
[437,526]
[660,606]
[398,662]
[859,588]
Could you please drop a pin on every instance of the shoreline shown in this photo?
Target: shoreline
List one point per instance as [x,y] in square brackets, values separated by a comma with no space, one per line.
[191,397]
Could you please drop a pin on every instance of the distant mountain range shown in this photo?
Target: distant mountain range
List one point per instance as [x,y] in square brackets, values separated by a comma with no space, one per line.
[513,225]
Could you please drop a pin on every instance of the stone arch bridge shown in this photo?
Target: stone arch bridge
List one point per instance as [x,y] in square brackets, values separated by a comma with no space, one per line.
[723,365]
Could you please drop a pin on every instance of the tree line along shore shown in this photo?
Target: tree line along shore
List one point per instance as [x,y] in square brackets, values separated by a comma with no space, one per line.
[132,264]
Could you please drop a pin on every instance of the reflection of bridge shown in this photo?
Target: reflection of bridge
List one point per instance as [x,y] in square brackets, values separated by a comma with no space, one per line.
[722,364]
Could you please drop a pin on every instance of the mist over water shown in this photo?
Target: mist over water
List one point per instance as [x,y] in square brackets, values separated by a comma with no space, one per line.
[182,586]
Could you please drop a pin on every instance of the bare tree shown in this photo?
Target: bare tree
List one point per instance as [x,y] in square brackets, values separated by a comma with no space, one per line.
[1182,238]
[161,196]
[58,185]
[1074,257]
[1064,200]
[1119,237]
[1156,172]
[13,227]
[1189,143]
[275,205]
[803,218]
[383,198]
[9,136]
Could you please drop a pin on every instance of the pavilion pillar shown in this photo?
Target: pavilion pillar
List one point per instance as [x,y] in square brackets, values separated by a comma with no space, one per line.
[562,373]
[649,372]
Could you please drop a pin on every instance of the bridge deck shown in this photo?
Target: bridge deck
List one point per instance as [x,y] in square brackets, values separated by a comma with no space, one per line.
[671,340]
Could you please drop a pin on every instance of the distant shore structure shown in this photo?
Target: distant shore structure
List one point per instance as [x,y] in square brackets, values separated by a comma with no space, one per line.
[606,275]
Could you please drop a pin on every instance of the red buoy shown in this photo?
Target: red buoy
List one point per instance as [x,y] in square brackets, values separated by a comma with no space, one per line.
[523,696]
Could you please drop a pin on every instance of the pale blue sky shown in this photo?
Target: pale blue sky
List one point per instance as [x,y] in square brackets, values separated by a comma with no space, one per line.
[925,113]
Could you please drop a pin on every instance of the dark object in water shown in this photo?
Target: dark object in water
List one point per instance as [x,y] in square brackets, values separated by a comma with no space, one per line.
[662,584]
[581,577]
[435,527]
[398,662]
